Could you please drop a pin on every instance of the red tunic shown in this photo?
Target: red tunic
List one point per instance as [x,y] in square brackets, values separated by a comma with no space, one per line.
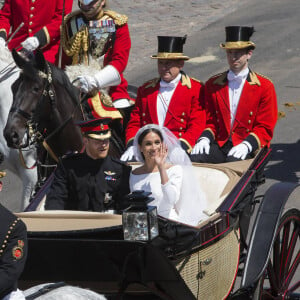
[118,50]
[256,114]
[118,56]
[185,116]
[41,18]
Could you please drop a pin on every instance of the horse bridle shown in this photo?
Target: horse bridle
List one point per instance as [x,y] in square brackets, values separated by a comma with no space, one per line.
[35,135]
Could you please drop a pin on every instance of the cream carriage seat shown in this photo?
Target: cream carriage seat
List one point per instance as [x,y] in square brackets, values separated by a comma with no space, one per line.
[216,181]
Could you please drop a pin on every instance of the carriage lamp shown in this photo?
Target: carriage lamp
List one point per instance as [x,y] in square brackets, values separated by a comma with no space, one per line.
[140,220]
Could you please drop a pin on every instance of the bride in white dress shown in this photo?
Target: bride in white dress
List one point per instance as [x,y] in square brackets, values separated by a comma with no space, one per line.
[167,173]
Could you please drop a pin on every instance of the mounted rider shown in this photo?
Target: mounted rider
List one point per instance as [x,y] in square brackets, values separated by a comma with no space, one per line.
[32,25]
[93,37]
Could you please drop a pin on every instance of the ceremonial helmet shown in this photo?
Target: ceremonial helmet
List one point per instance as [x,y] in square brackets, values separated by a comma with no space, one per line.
[91,7]
[238,37]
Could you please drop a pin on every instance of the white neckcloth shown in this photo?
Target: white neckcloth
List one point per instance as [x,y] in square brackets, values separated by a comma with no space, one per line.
[164,96]
[235,84]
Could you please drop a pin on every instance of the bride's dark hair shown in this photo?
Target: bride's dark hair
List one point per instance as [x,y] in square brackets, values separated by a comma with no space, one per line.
[145,132]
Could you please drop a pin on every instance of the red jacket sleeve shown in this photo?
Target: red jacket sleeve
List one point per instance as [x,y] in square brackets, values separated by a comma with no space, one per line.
[266,118]
[118,55]
[134,123]
[51,30]
[210,126]
[197,118]
[5,15]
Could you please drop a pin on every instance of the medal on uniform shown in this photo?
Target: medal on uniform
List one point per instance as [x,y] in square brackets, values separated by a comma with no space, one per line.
[18,251]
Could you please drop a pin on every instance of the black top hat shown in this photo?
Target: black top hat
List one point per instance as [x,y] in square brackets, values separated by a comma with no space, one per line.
[238,37]
[170,47]
[96,128]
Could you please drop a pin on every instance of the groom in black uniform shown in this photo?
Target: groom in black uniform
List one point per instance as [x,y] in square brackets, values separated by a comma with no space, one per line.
[90,181]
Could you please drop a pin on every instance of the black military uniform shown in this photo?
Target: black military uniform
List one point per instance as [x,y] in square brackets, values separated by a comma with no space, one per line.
[13,250]
[83,182]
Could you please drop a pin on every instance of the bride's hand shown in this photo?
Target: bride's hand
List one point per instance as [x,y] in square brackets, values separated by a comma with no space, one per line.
[161,156]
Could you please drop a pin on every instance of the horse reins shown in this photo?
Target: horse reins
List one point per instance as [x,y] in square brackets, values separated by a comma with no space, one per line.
[48,91]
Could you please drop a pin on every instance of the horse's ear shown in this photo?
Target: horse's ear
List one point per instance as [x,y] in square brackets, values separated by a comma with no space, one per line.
[19,60]
[40,60]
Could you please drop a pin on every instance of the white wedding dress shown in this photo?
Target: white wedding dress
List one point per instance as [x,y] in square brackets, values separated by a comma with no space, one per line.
[181,198]
[165,196]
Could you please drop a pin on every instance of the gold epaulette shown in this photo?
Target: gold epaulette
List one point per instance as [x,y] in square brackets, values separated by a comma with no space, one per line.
[220,78]
[71,15]
[264,76]
[118,18]
[151,83]
[186,81]
[253,79]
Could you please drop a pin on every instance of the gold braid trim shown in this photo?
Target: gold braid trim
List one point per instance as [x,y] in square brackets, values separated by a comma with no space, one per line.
[9,232]
[77,46]
[118,18]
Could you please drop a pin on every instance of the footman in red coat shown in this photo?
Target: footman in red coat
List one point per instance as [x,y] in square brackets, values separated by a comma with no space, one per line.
[173,100]
[241,106]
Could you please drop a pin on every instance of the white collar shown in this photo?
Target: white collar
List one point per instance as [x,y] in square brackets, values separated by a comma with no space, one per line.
[172,83]
[238,77]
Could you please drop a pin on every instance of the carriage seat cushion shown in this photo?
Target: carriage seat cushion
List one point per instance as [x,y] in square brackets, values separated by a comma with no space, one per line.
[212,182]
[215,181]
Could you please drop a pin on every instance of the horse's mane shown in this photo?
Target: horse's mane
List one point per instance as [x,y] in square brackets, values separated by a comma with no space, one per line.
[62,78]
[58,76]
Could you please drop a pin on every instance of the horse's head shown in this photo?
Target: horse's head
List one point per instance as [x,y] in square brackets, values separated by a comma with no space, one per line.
[27,95]
[45,103]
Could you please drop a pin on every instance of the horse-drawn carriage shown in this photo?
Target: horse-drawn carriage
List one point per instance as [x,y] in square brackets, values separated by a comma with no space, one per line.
[215,260]
[220,258]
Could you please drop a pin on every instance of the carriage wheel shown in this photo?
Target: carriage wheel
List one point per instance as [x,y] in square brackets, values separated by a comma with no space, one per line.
[280,280]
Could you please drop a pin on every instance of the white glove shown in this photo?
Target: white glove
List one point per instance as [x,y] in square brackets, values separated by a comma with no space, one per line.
[31,43]
[240,151]
[87,83]
[2,42]
[128,154]
[121,103]
[108,76]
[203,145]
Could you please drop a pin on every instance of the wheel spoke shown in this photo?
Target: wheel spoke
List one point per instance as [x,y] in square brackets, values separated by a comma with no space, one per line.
[293,288]
[291,272]
[276,257]
[291,248]
[284,251]
[279,282]
[272,277]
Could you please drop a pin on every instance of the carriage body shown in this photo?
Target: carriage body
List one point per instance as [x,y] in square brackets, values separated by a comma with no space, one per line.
[210,261]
